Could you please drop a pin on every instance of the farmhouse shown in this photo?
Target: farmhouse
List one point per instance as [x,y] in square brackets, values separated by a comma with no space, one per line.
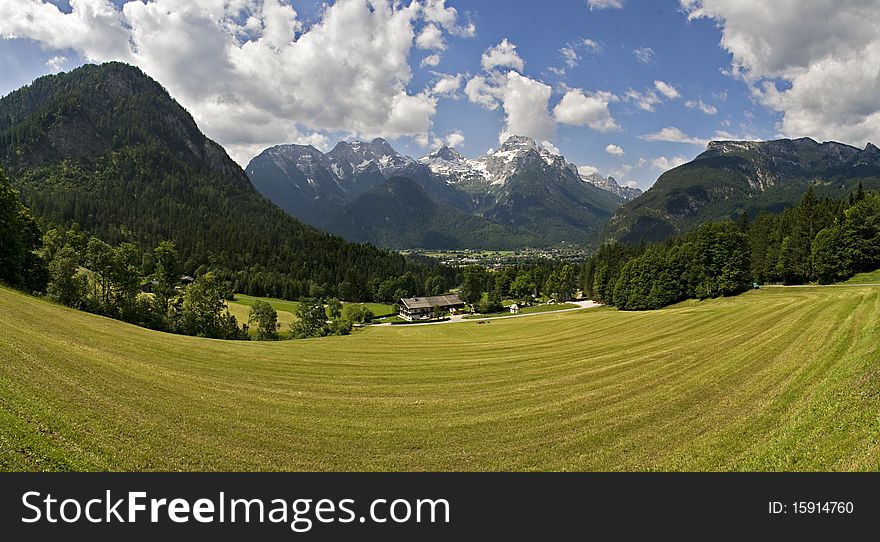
[424,308]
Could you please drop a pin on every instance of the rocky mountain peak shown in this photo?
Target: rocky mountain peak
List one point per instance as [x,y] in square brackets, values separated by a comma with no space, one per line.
[445,153]
[520,143]
[609,184]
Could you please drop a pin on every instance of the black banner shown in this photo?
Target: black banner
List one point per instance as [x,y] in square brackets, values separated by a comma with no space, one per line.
[435,506]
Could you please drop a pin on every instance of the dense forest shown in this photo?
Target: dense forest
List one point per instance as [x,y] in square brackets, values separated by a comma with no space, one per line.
[820,239]
[106,148]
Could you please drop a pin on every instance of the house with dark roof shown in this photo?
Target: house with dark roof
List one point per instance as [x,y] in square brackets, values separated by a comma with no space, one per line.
[425,308]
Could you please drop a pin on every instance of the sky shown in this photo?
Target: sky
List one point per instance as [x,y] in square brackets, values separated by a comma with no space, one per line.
[628,88]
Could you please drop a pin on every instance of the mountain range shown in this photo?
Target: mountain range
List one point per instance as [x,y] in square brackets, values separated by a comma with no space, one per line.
[520,187]
[735,177]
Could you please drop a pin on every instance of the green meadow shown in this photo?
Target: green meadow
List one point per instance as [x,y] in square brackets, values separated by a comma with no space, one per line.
[240,307]
[774,379]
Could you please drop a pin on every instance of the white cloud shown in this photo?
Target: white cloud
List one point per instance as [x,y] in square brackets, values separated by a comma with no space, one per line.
[436,11]
[570,55]
[503,55]
[645,55]
[454,139]
[56,63]
[667,90]
[664,164]
[643,100]
[479,91]
[430,60]
[448,85]
[250,72]
[818,63]
[551,147]
[614,149]
[586,171]
[431,37]
[704,107]
[671,134]
[605,4]
[578,109]
[525,102]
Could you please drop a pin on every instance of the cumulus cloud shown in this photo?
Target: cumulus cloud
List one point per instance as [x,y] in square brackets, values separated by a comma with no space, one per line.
[586,171]
[430,60]
[454,139]
[448,85]
[818,63]
[431,37]
[250,72]
[503,55]
[666,89]
[704,107]
[579,109]
[551,147]
[614,149]
[664,164]
[480,91]
[605,4]
[671,134]
[436,11]
[525,103]
[645,55]
[56,63]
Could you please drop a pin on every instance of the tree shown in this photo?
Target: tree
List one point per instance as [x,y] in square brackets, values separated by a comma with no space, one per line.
[492,303]
[560,284]
[340,326]
[125,276]
[345,290]
[66,284]
[19,239]
[334,308]
[435,285]
[311,319]
[473,286]
[357,314]
[266,318]
[523,287]
[99,258]
[166,273]
[204,312]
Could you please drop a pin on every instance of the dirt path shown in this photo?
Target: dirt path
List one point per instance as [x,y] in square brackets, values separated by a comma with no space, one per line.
[460,317]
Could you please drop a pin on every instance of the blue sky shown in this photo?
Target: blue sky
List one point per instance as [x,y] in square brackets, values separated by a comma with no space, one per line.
[660,77]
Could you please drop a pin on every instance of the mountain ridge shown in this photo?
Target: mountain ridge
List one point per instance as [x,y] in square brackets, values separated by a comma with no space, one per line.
[107,148]
[480,186]
[734,177]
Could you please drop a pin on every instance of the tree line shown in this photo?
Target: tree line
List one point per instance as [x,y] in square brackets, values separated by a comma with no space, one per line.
[820,239]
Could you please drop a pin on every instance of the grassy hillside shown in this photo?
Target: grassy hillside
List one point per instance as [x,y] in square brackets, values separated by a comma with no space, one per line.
[778,378]
[872,277]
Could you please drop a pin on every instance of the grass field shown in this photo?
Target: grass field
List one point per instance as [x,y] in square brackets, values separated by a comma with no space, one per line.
[241,307]
[872,277]
[775,379]
[528,310]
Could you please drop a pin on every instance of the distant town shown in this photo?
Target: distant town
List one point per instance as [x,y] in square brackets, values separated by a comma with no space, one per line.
[499,259]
